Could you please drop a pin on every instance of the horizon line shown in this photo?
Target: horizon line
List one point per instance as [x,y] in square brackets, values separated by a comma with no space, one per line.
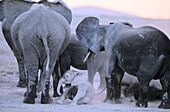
[127,12]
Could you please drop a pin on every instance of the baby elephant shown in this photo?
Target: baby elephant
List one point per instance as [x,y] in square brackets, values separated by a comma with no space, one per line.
[81,91]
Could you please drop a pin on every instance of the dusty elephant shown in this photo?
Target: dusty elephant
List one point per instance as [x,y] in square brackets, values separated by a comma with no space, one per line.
[85,91]
[73,55]
[143,52]
[11,10]
[41,42]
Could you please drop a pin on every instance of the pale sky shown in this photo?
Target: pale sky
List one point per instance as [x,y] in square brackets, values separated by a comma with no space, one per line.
[157,9]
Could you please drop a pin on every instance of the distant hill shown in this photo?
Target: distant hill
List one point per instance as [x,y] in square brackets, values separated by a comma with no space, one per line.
[98,11]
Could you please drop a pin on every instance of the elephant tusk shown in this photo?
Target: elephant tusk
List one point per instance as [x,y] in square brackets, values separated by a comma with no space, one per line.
[85,59]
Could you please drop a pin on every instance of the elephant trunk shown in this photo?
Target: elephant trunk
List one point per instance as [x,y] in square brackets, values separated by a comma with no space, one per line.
[61,81]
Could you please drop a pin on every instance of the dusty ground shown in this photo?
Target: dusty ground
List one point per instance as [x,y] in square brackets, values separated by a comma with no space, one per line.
[11,97]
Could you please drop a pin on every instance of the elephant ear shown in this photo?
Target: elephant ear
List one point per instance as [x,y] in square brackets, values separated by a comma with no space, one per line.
[60,7]
[13,8]
[1,10]
[88,33]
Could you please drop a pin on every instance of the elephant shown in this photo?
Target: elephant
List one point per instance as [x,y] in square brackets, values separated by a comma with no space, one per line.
[1,11]
[11,10]
[132,88]
[143,52]
[73,55]
[84,90]
[40,43]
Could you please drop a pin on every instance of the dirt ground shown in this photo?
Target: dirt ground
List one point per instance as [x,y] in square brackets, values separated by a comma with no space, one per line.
[11,97]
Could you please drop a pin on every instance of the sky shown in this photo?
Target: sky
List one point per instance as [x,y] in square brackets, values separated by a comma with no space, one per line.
[156,9]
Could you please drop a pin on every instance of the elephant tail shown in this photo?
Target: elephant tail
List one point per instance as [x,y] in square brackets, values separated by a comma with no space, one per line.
[47,52]
[46,74]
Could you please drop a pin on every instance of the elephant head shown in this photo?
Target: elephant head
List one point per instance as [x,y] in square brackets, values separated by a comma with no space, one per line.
[13,8]
[69,77]
[93,35]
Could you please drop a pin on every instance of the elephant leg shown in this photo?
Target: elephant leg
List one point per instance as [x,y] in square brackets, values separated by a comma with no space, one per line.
[32,66]
[117,79]
[22,75]
[110,63]
[143,96]
[68,94]
[6,29]
[45,96]
[165,82]
[71,92]
[53,56]
[133,91]
[90,67]
[102,77]
[31,85]
[64,66]
[56,79]
[81,92]
[102,85]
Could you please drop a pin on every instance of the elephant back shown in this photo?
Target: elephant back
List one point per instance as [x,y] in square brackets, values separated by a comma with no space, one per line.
[13,8]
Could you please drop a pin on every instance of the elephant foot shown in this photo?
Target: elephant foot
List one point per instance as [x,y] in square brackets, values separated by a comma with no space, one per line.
[21,84]
[164,104]
[46,100]
[29,100]
[141,103]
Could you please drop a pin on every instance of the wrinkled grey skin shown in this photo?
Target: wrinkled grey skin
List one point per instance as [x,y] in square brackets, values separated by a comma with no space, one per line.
[1,11]
[85,90]
[74,55]
[10,11]
[143,52]
[40,44]
[132,88]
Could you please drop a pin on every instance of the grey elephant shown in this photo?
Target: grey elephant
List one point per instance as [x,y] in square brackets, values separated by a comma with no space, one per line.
[73,55]
[85,91]
[11,10]
[1,10]
[41,42]
[143,52]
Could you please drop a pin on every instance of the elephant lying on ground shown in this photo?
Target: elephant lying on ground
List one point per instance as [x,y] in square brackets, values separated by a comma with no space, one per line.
[84,90]
[74,55]
[132,88]
[11,10]
[143,52]
[40,43]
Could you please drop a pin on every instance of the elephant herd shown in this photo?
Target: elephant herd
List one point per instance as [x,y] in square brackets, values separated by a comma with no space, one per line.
[40,37]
